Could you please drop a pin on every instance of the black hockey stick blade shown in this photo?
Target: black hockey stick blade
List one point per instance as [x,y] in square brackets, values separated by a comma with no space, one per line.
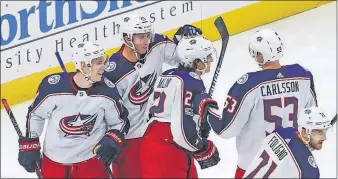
[334,120]
[222,29]
[224,33]
[18,131]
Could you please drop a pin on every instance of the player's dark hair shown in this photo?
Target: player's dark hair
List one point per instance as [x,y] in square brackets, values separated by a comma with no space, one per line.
[183,68]
[188,69]
[125,35]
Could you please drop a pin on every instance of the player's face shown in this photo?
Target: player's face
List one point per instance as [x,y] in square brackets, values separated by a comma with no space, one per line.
[205,66]
[209,60]
[318,136]
[97,68]
[141,42]
[259,59]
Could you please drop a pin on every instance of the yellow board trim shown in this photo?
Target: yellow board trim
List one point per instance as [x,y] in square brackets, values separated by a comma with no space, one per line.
[238,20]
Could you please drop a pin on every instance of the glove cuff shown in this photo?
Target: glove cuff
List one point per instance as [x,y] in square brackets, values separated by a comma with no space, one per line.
[29,144]
[203,104]
[116,136]
[201,101]
[205,152]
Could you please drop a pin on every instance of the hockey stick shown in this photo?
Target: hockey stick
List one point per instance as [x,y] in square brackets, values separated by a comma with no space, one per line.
[223,31]
[334,120]
[18,131]
[58,57]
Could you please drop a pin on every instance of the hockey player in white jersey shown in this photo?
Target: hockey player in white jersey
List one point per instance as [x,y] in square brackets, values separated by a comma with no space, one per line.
[87,121]
[134,69]
[286,153]
[263,100]
[171,142]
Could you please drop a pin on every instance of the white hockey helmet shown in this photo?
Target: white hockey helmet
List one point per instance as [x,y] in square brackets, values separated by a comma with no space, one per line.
[312,118]
[267,43]
[135,24]
[86,52]
[191,48]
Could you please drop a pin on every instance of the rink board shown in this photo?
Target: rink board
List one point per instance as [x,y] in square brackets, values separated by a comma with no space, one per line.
[24,88]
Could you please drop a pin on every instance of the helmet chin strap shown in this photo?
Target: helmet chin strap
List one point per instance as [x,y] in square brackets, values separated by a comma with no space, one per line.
[259,64]
[203,70]
[307,142]
[89,80]
[87,76]
[256,54]
[132,46]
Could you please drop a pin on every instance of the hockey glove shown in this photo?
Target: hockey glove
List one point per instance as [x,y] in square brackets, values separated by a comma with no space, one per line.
[203,102]
[29,153]
[207,156]
[185,31]
[109,147]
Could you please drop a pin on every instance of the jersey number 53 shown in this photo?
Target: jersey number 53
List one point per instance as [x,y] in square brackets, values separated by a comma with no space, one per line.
[273,108]
[279,112]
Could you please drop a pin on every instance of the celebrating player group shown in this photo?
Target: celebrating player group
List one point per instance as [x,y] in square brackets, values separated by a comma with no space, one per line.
[123,116]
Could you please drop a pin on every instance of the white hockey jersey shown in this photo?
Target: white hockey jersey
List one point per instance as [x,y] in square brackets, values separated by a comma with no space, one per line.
[172,102]
[135,81]
[261,101]
[77,118]
[283,155]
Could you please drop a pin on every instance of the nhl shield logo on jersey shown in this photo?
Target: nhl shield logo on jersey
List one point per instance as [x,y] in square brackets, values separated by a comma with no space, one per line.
[243,79]
[54,79]
[109,66]
[78,124]
[141,91]
[312,161]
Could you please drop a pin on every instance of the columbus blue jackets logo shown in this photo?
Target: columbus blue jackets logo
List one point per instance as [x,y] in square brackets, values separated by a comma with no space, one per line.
[141,91]
[192,42]
[109,66]
[78,124]
[307,111]
[312,161]
[54,79]
[243,79]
